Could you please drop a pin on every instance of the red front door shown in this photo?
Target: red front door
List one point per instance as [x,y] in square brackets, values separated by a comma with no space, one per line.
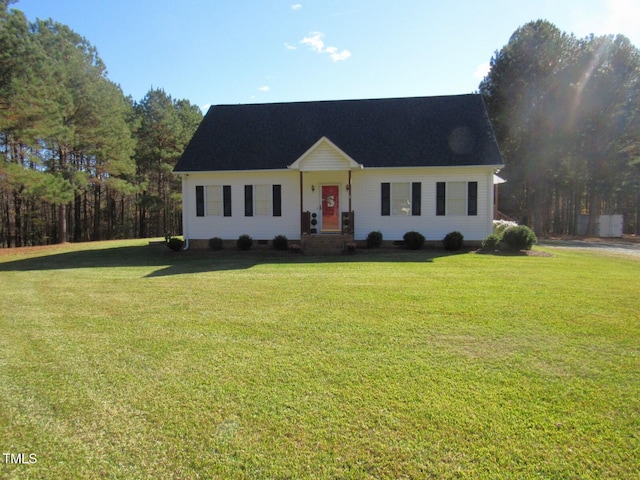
[330,208]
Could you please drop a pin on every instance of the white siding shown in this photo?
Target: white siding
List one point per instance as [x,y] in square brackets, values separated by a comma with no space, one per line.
[366,201]
[324,158]
[365,198]
[259,227]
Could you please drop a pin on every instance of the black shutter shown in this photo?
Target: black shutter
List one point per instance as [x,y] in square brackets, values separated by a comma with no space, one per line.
[416,198]
[199,201]
[441,193]
[386,199]
[226,200]
[472,198]
[248,200]
[277,200]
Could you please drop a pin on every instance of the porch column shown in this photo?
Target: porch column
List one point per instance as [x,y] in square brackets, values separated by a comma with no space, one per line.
[349,190]
[301,185]
[305,217]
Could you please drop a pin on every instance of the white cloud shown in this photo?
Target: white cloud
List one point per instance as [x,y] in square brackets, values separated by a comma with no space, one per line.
[482,71]
[264,88]
[315,41]
[337,57]
[288,46]
[296,6]
[205,107]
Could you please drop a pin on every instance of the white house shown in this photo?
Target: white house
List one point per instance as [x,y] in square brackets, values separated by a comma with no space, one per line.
[310,169]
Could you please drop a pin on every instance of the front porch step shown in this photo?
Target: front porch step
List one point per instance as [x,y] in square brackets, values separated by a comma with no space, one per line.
[321,244]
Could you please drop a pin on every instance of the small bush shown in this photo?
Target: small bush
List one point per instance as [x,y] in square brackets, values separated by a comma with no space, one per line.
[245,242]
[413,240]
[374,239]
[518,238]
[280,242]
[491,243]
[453,241]
[215,243]
[175,243]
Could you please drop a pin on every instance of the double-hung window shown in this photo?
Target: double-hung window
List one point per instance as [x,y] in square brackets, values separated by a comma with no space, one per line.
[213,200]
[262,200]
[215,203]
[457,198]
[400,198]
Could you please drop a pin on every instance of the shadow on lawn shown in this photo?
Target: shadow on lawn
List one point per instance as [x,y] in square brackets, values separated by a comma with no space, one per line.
[200,261]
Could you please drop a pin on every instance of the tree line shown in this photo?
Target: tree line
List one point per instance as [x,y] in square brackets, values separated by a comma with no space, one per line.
[79,160]
[566,114]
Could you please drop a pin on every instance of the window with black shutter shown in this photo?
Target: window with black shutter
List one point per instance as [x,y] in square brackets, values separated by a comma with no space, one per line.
[277,200]
[472,198]
[248,200]
[199,201]
[226,200]
[441,195]
[416,198]
[385,193]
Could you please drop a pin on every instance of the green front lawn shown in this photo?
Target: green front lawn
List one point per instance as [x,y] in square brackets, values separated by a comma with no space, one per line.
[119,360]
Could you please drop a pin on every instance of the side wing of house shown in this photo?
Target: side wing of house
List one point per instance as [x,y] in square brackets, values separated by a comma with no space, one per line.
[433,201]
[261,204]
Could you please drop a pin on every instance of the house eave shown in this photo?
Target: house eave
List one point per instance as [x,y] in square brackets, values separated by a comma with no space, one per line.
[433,167]
[290,168]
[254,170]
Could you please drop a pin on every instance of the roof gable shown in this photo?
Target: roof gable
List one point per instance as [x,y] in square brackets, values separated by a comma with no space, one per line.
[401,132]
[324,155]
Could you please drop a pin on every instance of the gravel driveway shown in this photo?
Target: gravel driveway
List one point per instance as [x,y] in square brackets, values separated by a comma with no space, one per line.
[608,245]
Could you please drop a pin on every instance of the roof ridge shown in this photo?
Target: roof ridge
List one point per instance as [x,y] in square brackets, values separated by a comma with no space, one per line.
[346,100]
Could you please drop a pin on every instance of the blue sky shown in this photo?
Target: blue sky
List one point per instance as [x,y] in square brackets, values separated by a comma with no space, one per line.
[261,51]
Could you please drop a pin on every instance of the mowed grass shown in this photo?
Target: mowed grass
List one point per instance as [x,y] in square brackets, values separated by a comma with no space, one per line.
[123,361]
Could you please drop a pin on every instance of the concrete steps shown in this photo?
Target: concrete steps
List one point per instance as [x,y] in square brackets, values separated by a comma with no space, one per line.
[325,244]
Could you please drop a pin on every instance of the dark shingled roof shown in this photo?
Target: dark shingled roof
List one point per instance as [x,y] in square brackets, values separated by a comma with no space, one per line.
[396,132]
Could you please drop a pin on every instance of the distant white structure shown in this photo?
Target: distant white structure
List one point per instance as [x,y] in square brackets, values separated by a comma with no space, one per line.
[601,225]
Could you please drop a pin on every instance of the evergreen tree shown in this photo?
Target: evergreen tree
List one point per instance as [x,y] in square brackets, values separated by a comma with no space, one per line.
[67,165]
[566,115]
[91,141]
[166,126]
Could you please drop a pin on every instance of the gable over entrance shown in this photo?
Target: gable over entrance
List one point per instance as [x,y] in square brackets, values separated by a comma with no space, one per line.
[324,155]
